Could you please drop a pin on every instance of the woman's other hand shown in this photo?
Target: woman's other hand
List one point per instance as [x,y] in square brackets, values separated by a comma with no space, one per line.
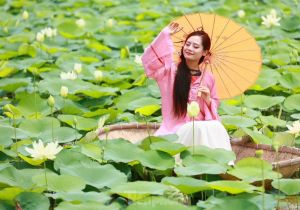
[204,92]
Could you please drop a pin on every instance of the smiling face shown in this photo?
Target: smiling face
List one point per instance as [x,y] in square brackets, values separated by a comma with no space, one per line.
[193,48]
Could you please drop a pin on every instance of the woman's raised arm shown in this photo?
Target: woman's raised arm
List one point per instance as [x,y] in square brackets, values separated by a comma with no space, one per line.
[158,56]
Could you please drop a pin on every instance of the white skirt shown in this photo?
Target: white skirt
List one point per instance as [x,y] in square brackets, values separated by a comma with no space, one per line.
[209,133]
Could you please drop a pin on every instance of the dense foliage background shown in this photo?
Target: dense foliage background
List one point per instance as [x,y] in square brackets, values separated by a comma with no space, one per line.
[92,49]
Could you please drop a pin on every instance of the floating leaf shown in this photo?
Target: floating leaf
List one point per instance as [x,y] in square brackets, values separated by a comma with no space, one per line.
[288,186]
[262,101]
[139,189]
[253,169]
[186,185]
[32,201]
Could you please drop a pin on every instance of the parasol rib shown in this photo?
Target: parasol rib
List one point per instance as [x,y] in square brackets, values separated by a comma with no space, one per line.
[235,43]
[232,79]
[201,21]
[220,34]
[222,80]
[245,59]
[212,31]
[254,72]
[230,36]
[189,22]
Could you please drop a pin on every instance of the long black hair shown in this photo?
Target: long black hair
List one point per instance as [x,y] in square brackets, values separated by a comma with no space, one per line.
[182,81]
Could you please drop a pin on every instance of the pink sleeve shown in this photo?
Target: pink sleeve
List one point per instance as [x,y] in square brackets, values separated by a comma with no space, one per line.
[158,56]
[214,102]
[213,108]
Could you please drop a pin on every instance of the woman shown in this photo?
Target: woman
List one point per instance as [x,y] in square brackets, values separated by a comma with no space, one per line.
[180,84]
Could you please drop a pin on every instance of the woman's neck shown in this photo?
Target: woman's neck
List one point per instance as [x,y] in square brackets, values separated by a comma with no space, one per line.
[193,65]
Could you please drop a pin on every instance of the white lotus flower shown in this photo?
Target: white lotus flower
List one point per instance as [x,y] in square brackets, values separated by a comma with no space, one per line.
[110,22]
[138,59]
[68,75]
[241,13]
[98,75]
[271,19]
[80,23]
[295,128]
[77,68]
[193,109]
[25,15]
[41,152]
[40,37]
[64,91]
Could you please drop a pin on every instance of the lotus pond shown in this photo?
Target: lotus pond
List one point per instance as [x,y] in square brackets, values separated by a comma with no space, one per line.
[71,67]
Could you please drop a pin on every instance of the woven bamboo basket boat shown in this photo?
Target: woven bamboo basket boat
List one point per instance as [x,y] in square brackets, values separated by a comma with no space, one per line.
[288,160]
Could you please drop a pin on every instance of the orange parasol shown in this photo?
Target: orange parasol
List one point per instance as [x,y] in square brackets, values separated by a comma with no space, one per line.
[235,58]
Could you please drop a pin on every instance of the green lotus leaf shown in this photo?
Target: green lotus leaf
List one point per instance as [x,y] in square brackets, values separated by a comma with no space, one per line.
[139,189]
[8,134]
[273,121]
[70,30]
[158,203]
[147,110]
[95,174]
[201,168]
[118,41]
[89,205]
[32,201]
[288,23]
[237,121]
[61,134]
[233,187]
[223,157]
[292,102]
[9,193]
[284,139]
[253,169]
[81,196]
[123,101]
[39,126]
[288,186]
[32,106]
[59,183]
[257,137]
[93,151]
[186,185]
[19,178]
[290,80]
[12,84]
[82,123]
[262,101]
[168,147]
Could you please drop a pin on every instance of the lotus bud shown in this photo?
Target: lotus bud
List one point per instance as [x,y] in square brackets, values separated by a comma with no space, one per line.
[77,68]
[51,101]
[98,75]
[241,13]
[259,153]
[25,15]
[40,37]
[80,23]
[110,22]
[64,91]
[193,109]
[276,145]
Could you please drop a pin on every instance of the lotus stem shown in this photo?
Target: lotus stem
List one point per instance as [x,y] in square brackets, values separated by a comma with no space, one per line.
[193,136]
[45,174]
[277,169]
[263,184]
[34,90]
[52,124]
